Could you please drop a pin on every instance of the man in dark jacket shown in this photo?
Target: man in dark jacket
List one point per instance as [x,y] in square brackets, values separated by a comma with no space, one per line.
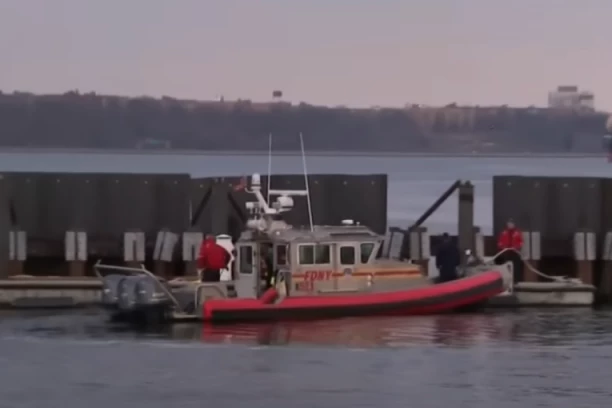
[213,257]
[267,266]
[447,259]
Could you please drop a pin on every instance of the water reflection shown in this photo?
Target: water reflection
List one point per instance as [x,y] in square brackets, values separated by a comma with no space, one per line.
[550,328]
[543,358]
[529,328]
[358,333]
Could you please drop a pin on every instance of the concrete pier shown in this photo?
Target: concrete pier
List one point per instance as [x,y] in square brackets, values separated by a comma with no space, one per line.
[29,292]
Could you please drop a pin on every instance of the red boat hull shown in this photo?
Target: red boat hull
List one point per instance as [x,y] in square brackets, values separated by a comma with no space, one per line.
[432,299]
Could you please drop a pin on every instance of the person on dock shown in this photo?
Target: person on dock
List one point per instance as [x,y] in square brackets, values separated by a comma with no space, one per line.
[212,258]
[511,240]
[448,259]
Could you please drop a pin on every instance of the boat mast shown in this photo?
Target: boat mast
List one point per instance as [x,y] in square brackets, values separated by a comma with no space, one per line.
[269,166]
[263,210]
[306,183]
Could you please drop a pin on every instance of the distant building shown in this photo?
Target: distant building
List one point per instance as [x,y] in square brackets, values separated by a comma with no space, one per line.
[570,97]
[153,144]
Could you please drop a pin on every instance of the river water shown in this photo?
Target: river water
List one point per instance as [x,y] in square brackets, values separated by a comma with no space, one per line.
[547,358]
[530,358]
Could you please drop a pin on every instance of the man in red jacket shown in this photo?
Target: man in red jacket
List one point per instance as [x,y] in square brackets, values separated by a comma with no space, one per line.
[511,238]
[212,258]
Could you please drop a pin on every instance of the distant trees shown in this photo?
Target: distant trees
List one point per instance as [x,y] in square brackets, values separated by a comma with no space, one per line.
[94,121]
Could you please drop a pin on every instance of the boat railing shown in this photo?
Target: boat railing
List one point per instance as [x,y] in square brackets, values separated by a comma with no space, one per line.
[103,270]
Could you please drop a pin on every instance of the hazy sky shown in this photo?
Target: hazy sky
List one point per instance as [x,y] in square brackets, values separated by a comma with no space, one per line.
[350,52]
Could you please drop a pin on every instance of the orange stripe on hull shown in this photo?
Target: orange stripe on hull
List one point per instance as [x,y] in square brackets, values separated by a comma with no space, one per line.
[384,274]
[412,273]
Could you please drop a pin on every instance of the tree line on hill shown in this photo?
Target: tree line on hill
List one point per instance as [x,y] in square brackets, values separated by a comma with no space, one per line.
[74,120]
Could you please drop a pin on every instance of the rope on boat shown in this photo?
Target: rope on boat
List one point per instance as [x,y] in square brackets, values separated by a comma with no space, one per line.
[559,279]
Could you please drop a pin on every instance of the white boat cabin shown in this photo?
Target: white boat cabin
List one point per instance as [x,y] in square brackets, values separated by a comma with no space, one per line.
[324,254]
[317,259]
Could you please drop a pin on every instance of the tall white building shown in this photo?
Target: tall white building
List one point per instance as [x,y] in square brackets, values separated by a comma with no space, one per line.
[570,97]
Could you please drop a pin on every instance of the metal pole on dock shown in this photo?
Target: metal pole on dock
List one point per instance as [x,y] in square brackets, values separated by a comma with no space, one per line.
[466,219]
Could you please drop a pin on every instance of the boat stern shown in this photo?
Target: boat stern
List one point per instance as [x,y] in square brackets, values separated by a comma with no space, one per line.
[131,294]
[110,291]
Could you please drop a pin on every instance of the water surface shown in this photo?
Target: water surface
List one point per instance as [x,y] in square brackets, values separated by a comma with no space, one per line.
[549,358]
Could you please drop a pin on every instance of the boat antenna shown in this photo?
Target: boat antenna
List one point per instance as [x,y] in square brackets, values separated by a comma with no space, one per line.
[269,166]
[306,182]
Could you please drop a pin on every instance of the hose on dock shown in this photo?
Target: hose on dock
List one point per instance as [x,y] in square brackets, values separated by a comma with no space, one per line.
[559,279]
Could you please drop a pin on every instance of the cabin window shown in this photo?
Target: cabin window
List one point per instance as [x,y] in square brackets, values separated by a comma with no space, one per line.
[281,255]
[314,254]
[322,254]
[366,252]
[347,255]
[246,259]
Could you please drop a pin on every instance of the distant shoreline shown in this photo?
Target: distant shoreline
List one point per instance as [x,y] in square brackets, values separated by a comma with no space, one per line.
[324,153]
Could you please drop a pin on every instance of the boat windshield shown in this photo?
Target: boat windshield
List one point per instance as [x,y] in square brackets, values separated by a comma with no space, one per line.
[366,251]
[282,255]
[267,258]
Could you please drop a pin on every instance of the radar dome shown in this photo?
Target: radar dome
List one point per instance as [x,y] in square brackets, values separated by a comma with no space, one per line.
[256,179]
[285,201]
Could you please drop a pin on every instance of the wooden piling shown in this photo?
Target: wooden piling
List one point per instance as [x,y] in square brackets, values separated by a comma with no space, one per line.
[18,252]
[75,252]
[585,255]
[605,283]
[134,248]
[191,241]
[531,254]
[5,226]
[479,243]
[466,219]
[420,251]
[163,253]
